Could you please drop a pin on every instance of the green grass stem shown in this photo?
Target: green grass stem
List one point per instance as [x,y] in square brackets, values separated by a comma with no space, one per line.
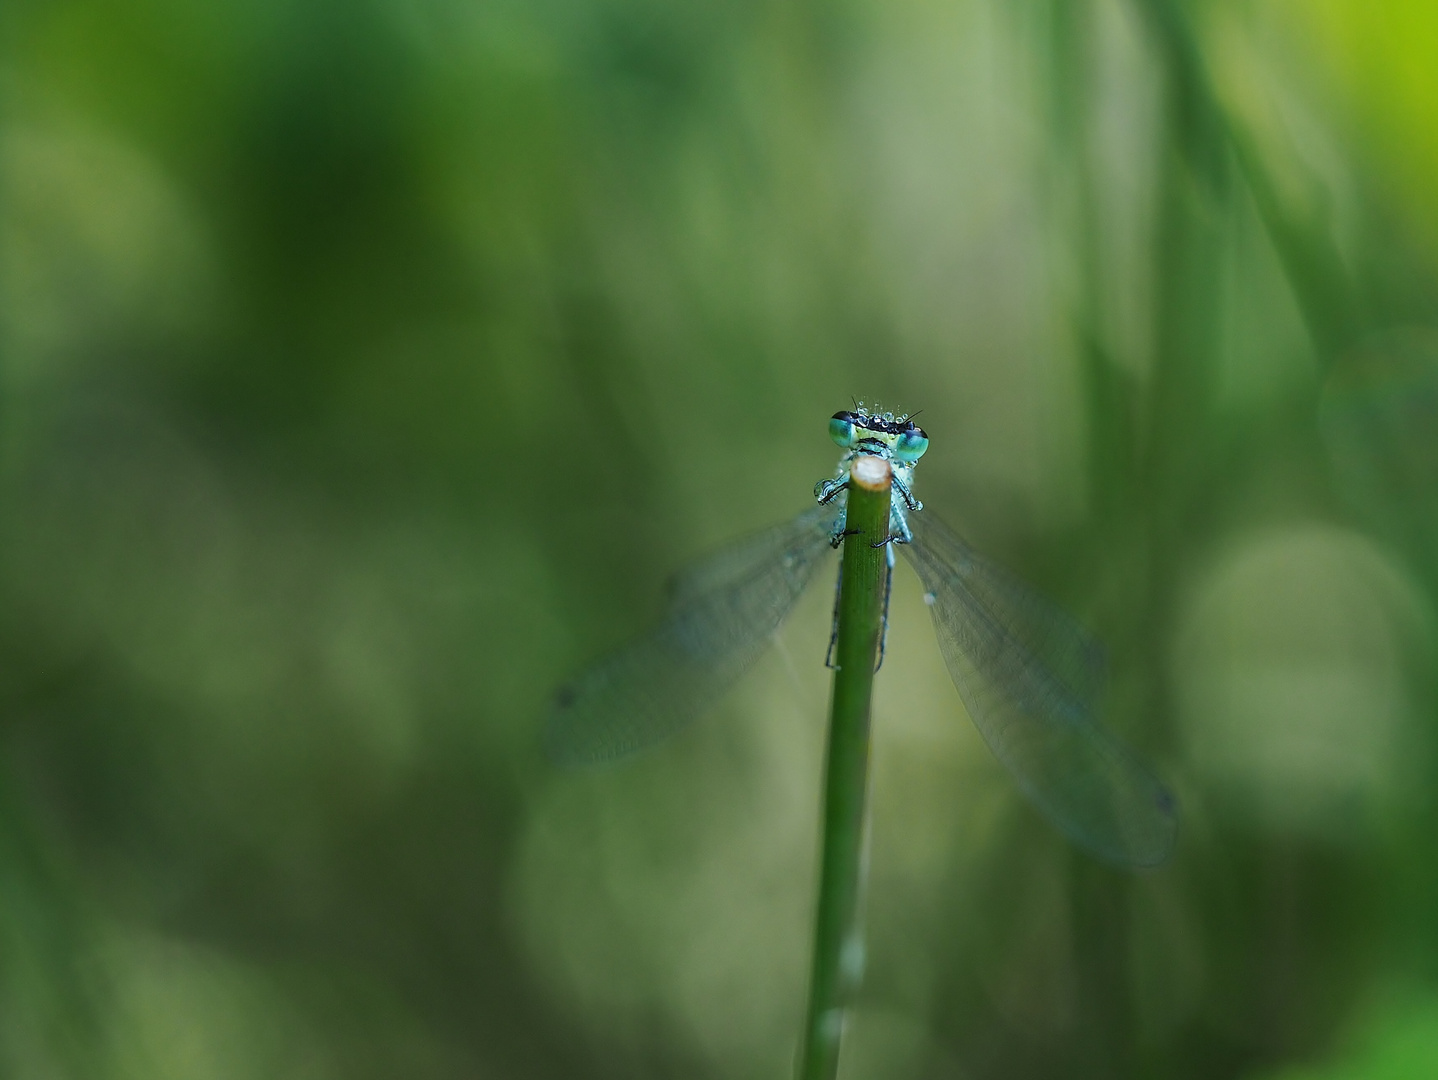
[838,931]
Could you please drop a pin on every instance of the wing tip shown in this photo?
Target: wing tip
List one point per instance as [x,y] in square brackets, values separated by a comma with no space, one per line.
[568,742]
[1154,845]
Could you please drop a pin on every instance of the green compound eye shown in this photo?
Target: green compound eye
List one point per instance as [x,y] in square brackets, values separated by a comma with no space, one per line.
[910,445]
[842,430]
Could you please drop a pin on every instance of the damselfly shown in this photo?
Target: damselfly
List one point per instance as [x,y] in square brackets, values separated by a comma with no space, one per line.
[1029,674]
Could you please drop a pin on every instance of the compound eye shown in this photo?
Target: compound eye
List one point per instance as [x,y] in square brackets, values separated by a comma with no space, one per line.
[911,444]
[843,431]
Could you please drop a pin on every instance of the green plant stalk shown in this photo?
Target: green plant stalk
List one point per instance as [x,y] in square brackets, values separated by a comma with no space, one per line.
[838,930]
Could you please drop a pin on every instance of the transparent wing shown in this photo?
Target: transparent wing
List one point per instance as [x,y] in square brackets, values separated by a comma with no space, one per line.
[1032,679]
[723,613]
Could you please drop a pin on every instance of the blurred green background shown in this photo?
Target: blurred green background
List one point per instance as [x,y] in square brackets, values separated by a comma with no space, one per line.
[367,365]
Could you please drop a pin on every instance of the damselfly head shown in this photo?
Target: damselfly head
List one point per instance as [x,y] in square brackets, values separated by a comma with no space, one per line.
[882,433]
